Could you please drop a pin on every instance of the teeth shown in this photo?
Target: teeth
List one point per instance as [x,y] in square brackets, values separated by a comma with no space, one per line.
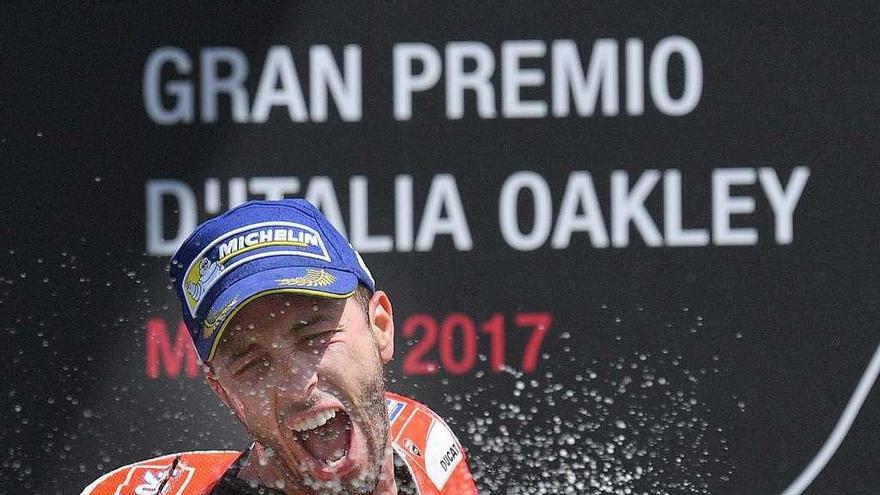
[315,421]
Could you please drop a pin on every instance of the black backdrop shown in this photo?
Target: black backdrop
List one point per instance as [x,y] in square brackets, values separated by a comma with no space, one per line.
[711,368]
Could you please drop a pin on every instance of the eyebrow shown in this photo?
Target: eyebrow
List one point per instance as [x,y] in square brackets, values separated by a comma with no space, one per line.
[240,354]
[301,324]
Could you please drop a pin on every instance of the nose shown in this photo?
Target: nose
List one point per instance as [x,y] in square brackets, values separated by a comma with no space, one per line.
[297,386]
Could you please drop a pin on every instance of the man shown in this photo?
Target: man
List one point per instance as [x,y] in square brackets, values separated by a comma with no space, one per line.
[294,336]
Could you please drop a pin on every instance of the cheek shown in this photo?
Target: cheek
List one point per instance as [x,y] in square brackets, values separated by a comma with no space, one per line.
[347,358]
[340,369]
[354,369]
[253,406]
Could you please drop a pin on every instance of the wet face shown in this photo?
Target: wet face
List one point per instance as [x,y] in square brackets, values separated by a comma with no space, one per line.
[305,377]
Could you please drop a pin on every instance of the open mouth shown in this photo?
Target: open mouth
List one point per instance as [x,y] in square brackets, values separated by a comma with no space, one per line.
[326,437]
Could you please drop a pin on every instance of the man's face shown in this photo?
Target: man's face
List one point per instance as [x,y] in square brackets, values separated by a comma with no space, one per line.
[286,363]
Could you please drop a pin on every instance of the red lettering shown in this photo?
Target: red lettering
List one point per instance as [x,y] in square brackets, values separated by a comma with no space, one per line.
[539,322]
[468,346]
[494,327]
[159,350]
[413,364]
[458,356]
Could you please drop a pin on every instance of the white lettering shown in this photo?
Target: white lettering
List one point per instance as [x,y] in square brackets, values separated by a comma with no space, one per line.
[309,238]
[783,201]
[187,214]
[693,76]
[228,248]
[359,215]
[232,85]
[580,193]
[273,188]
[628,206]
[580,210]
[324,75]
[279,67]
[403,212]
[457,80]
[320,192]
[237,191]
[406,82]
[212,195]
[635,76]
[568,78]
[674,234]
[508,210]
[181,91]
[724,205]
[513,77]
[444,195]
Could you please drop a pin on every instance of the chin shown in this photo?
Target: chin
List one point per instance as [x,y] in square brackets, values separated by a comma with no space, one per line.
[356,472]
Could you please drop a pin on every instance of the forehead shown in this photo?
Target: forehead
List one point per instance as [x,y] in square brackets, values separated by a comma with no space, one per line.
[268,315]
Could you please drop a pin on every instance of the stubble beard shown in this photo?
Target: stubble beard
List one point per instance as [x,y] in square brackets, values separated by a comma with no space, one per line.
[374,416]
[371,415]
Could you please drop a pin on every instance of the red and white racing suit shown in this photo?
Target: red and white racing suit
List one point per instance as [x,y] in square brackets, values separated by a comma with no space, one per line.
[429,460]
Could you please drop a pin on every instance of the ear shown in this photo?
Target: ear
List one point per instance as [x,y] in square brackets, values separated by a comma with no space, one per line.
[215,385]
[382,324]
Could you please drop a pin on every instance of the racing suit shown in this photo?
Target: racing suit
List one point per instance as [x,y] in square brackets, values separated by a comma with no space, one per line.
[428,460]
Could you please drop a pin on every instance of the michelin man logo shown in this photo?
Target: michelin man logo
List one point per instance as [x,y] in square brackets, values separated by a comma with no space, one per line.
[198,280]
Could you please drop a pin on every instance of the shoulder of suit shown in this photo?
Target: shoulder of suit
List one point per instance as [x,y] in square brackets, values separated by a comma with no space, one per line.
[428,446]
[185,473]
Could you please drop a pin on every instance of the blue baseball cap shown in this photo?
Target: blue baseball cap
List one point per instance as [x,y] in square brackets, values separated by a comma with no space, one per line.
[259,248]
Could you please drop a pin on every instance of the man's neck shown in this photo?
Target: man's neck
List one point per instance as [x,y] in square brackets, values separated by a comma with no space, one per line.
[267,470]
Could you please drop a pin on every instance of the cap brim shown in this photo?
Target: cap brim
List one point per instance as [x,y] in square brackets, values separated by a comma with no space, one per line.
[312,281]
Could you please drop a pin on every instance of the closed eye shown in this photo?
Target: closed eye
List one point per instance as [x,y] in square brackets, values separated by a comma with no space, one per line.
[314,336]
[304,324]
[258,362]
